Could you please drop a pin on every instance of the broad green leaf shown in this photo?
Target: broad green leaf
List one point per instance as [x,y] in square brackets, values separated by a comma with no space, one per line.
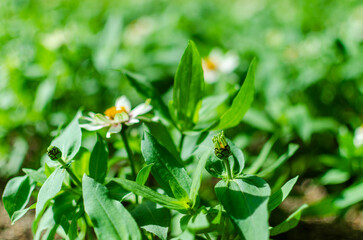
[188,89]
[117,192]
[150,194]
[16,194]
[98,160]
[16,158]
[289,223]
[279,196]
[160,132]
[256,165]
[80,165]
[69,141]
[241,103]
[245,201]
[143,174]
[292,148]
[36,175]
[178,192]
[237,160]
[152,218]
[110,219]
[197,178]
[165,167]
[49,189]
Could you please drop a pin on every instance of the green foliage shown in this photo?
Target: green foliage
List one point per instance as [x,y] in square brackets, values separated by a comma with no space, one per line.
[110,219]
[188,89]
[98,160]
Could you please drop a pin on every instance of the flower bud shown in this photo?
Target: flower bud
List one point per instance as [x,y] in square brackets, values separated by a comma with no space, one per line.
[221,148]
[54,153]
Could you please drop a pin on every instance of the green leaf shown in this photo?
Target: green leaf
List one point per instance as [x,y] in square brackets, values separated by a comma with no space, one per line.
[36,175]
[241,103]
[279,196]
[160,132]
[69,141]
[16,194]
[110,219]
[44,94]
[166,168]
[148,193]
[49,189]
[152,218]
[350,196]
[197,178]
[20,213]
[245,201]
[256,165]
[98,160]
[16,158]
[188,89]
[178,192]
[334,176]
[143,174]
[292,148]
[199,222]
[289,223]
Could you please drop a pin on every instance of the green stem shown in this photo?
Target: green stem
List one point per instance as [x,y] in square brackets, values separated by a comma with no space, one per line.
[73,176]
[181,141]
[207,236]
[131,159]
[225,229]
[129,152]
[228,168]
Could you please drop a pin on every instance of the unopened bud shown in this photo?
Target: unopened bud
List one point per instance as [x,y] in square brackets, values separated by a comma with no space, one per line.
[54,153]
[221,148]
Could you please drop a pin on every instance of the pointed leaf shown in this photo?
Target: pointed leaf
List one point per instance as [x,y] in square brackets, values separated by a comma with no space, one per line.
[69,141]
[242,102]
[143,174]
[245,201]
[279,196]
[110,219]
[148,193]
[165,167]
[49,189]
[289,223]
[98,160]
[153,218]
[188,88]
[17,194]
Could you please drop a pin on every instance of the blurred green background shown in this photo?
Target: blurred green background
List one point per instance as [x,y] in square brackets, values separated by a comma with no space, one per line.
[59,56]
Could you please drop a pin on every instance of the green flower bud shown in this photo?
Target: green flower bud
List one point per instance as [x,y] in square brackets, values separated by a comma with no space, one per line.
[54,153]
[221,148]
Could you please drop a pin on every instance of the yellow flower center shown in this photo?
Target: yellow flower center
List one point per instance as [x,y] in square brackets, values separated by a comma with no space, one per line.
[210,64]
[112,111]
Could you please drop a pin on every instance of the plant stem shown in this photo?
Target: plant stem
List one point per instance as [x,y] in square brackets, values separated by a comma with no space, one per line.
[228,168]
[181,141]
[73,176]
[131,159]
[207,236]
[129,152]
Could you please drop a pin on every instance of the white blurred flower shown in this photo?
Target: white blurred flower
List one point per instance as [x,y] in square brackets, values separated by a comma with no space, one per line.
[358,137]
[114,117]
[218,63]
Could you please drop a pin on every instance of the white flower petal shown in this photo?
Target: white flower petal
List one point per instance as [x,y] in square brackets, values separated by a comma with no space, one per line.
[123,102]
[141,109]
[101,119]
[229,63]
[132,121]
[211,76]
[91,127]
[114,129]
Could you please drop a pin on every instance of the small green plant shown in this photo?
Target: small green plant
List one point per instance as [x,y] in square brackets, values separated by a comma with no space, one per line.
[81,193]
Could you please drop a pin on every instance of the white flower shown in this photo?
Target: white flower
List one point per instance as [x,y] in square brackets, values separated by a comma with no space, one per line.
[218,63]
[358,137]
[115,116]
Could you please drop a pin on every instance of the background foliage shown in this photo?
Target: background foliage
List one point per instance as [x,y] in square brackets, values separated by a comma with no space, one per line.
[58,57]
